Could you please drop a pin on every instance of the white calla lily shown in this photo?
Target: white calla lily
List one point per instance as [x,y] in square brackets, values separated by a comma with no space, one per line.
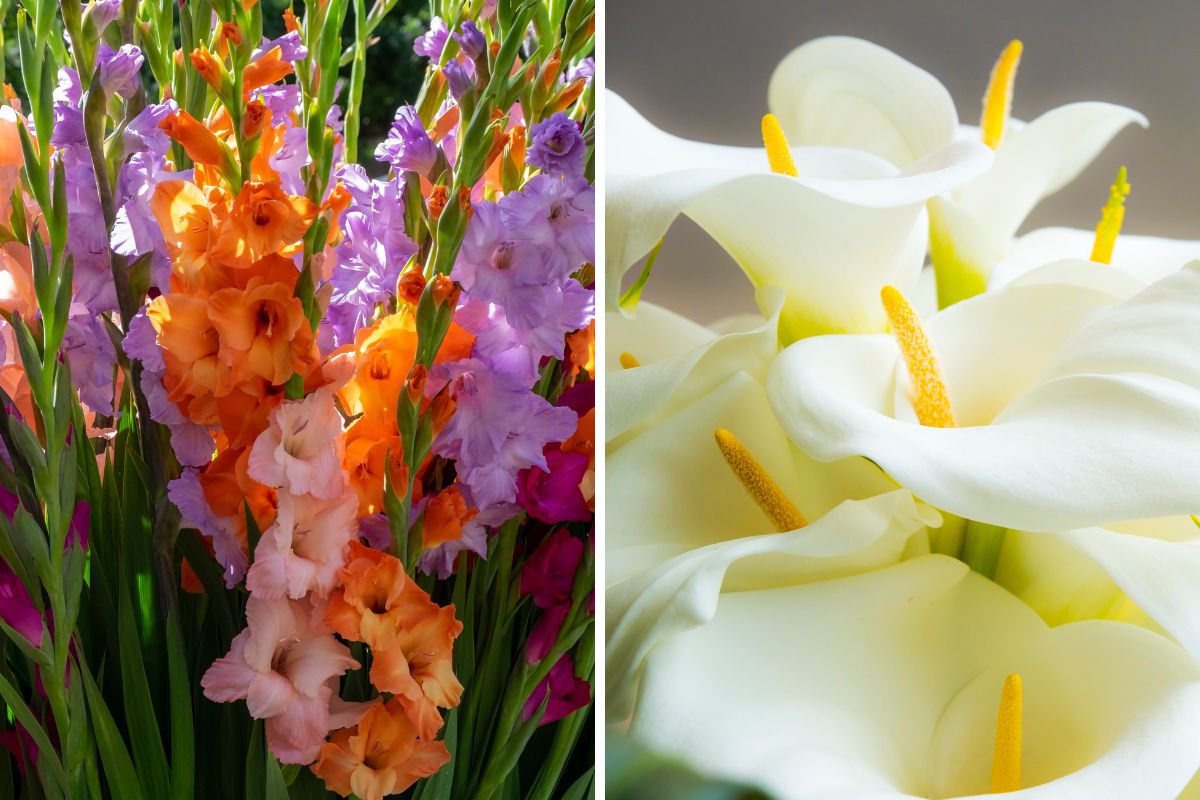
[887,685]
[830,91]
[1144,258]
[1076,407]
[849,223]
[658,361]
[678,517]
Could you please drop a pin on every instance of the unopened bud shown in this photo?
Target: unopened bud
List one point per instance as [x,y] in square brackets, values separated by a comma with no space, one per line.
[256,117]
[442,409]
[415,385]
[437,201]
[464,201]
[289,20]
[445,291]
[230,32]
[411,285]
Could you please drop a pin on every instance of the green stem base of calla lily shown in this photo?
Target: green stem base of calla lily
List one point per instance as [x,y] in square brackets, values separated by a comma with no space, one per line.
[982,544]
[957,278]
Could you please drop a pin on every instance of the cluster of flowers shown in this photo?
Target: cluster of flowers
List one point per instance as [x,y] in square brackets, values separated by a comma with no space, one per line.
[1028,623]
[361,381]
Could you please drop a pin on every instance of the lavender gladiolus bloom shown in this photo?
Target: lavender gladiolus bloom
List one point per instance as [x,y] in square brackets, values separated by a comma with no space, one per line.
[431,43]
[460,75]
[119,69]
[471,40]
[408,146]
[68,110]
[499,427]
[558,147]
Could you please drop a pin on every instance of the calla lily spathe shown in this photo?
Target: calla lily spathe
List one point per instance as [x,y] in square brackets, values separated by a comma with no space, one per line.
[1076,406]
[1146,259]
[846,92]
[830,238]
[678,515]
[885,686]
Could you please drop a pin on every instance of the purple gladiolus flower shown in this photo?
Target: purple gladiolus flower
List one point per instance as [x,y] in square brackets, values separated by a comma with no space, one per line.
[555,213]
[408,146]
[291,48]
[499,427]
[188,496]
[553,495]
[68,111]
[471,40]
[119,69]
[460,75]
[562,692]
[585,69]
[104,12]
[558,147]
[431,43]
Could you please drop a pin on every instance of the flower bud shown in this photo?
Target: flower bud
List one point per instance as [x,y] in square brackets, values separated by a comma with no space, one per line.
[442,409]
[211,70]
[464,201]
[289,20]
[256,117]
[437,201]
[231,33]
[445,291]
[411,285]
[415,385]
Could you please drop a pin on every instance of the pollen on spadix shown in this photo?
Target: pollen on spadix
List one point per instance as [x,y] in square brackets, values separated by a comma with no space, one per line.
[779,154]
[1006,757]
[997,102]
[929,396]
[759,484]
[628,361]
[1111,217]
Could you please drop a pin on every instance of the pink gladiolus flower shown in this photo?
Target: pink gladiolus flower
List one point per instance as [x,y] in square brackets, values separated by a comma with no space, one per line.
[303,447]
[305,547]
[281,665]
[567,693]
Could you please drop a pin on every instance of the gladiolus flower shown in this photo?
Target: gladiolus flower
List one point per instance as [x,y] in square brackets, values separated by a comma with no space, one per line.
[549,573]
[561,691]
[411,636]
[372,450]
[445,515]
[262,332]
[281,665]
[201,144]
[382,756]
[262,220]
[211,69]
[303,448]
[265,70]
[304,549]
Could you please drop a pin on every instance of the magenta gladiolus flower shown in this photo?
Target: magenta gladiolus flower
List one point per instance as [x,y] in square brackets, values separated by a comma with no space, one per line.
[548,573]
[567,692]
[553,495]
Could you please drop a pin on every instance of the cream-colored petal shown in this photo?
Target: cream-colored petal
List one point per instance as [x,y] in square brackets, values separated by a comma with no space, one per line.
[1145,258]
[678,361]
[830,238]
[1110,431]
[670,597]
[885,685]
[840,91]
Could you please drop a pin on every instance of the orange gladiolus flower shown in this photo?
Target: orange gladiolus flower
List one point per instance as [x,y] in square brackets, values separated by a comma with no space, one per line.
[385,353]
[410,635]
[371,450]
[380,756]
[210,69]
[418,669]
[201,144]
[263,219]
[445,516]
[182,212]
[268,68]
[194,375]
[262,332]
[581,351]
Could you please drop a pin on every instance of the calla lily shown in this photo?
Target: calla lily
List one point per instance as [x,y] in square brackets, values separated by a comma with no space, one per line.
[680,516]
[846,92]
[892,684]
[846,224]
[1075,407]
[1146,259]
[658,361]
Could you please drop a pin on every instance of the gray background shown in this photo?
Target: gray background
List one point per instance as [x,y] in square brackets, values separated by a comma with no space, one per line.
[700,69]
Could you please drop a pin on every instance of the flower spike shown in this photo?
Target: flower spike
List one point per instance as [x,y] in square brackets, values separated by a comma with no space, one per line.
[1006,758]
[930,399]
[998,100]
[1111,217]
[758,484]
[779,154]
